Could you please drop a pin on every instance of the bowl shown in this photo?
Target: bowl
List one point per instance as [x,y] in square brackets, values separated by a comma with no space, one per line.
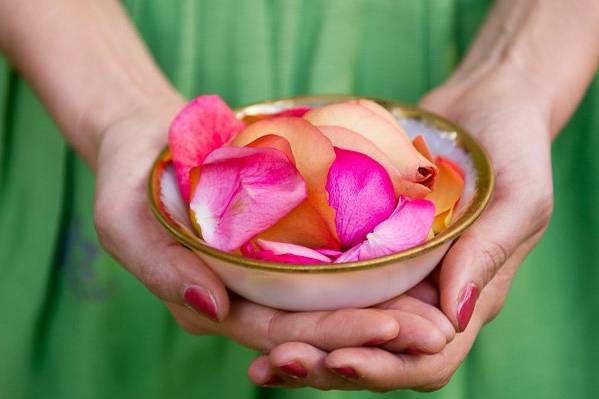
[335,286]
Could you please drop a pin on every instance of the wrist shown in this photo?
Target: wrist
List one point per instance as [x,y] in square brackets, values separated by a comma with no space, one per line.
[158,103]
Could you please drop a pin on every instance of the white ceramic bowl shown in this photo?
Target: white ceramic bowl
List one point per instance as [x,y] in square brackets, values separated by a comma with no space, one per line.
[346,285]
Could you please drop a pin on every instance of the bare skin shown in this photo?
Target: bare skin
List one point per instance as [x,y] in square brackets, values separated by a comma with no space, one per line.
[114,106]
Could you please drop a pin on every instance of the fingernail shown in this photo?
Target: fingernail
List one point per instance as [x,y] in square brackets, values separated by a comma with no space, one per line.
[466,302]
[375,342]
[346,371]
[274,381]
[201,300]
[294,369]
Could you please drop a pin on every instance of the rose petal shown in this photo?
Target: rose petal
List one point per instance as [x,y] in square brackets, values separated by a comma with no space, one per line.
[242,192]
[452,164]
[448,188]
[420,144]
[284,252]
[361,193]
[313,154]
[407,227]
[205,124]
[331,253]
[274,141]
[349,140]
[295,112]
[388,136]
[302,226]
[442,221]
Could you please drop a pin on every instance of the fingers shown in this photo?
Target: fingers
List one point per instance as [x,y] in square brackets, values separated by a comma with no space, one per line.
[296,364]
[416,307]
[476,256]
[129,232]
[263,328]
[379,370]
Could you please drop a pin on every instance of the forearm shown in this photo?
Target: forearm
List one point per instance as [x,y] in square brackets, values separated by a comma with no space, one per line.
[84,60]
[548,48]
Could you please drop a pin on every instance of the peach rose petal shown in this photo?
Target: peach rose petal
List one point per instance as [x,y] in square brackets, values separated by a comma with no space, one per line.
[283,252]
[349,140]
[408,226]
[274,141]
[420,144]
[241,192]
[361,193]
[389,137]
[203,125]
[448,188]
[302,226]
[313,155]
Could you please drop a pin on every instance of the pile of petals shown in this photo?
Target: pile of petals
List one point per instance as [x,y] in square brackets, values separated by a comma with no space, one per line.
[337,183]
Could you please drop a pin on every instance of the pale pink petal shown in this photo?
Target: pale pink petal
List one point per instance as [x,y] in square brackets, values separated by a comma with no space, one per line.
[360,192]
[407,227]
[241,192]
[205,124]
[331,253]
[283,252]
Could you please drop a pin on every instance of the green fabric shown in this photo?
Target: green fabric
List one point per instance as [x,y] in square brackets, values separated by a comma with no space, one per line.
[74,324]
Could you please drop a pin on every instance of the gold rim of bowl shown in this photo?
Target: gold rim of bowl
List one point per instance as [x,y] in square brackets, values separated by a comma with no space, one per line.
[482,194]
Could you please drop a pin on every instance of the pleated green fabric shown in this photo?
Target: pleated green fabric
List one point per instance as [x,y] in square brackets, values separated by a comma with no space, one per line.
[74,324]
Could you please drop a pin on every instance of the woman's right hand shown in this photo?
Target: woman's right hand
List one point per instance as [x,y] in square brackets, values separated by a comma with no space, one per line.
[195,295]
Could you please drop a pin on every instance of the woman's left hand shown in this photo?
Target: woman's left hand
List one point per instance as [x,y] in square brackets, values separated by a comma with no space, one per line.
[475,275]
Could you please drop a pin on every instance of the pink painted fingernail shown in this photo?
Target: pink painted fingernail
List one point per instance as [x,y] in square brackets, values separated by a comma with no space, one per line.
[346,371]
[294,369]
[201,300]
[466,302]
[274,381]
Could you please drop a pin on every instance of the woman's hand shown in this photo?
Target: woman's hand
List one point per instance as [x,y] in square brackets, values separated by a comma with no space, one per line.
[194,294]
[512,126]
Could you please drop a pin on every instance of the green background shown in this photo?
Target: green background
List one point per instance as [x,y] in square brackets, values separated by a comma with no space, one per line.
[74,324]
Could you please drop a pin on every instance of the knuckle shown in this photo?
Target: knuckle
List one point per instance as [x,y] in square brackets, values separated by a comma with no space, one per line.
[544,210]
[493,256]
[440,380]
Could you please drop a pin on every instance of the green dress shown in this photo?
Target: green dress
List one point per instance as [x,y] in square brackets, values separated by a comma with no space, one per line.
[74,324]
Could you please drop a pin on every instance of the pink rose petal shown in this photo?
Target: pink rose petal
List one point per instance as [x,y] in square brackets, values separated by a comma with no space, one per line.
[205,124]
[407,227]
[298,111]
[283,252]
[243,191]
[361,192]
[331,253]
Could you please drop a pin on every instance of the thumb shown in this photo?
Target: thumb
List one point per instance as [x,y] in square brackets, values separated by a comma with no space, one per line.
[476,257]
[170,271]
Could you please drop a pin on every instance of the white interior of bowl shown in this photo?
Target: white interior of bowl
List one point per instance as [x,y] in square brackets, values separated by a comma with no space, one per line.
[440,143]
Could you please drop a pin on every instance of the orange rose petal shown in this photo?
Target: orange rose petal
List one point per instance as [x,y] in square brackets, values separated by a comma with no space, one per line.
[194,178]
[388,136]
[448,188]
[422,147]
[302,226]
[449,162]
[442,221]
[313,154]
[274,141]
